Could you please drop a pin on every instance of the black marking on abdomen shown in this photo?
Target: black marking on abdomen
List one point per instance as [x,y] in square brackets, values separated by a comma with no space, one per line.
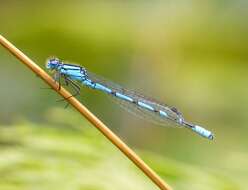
[135,102]
[113,93]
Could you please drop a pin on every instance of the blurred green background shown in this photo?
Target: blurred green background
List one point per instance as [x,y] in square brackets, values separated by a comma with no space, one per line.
[189,54]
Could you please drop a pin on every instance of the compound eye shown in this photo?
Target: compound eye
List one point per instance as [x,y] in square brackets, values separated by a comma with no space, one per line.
[54,61]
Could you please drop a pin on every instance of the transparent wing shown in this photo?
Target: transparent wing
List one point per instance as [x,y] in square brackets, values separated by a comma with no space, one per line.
[173,119]
[144,114]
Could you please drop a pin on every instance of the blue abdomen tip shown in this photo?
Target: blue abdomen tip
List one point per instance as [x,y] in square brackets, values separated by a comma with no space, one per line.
[203,132]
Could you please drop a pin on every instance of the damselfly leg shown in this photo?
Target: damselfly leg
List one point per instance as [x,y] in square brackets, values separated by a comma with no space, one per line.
[73,85]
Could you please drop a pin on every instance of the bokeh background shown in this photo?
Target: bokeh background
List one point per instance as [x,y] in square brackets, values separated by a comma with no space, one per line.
[189,54]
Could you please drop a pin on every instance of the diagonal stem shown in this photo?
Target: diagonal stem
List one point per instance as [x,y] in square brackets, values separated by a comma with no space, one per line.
[87,114]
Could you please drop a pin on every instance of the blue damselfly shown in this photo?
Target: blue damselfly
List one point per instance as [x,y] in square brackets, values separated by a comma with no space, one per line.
[131,100]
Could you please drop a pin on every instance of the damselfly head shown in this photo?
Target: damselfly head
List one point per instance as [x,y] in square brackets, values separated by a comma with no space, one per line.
[53,63]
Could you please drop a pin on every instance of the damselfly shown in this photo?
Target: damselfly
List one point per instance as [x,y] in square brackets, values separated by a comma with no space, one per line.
[132,101]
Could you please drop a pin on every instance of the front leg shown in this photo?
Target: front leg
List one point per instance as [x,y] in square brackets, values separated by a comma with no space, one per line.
[57,79]
[75,87]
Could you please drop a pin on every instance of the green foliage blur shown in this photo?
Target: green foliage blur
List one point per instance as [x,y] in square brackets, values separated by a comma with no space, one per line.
[189,54]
